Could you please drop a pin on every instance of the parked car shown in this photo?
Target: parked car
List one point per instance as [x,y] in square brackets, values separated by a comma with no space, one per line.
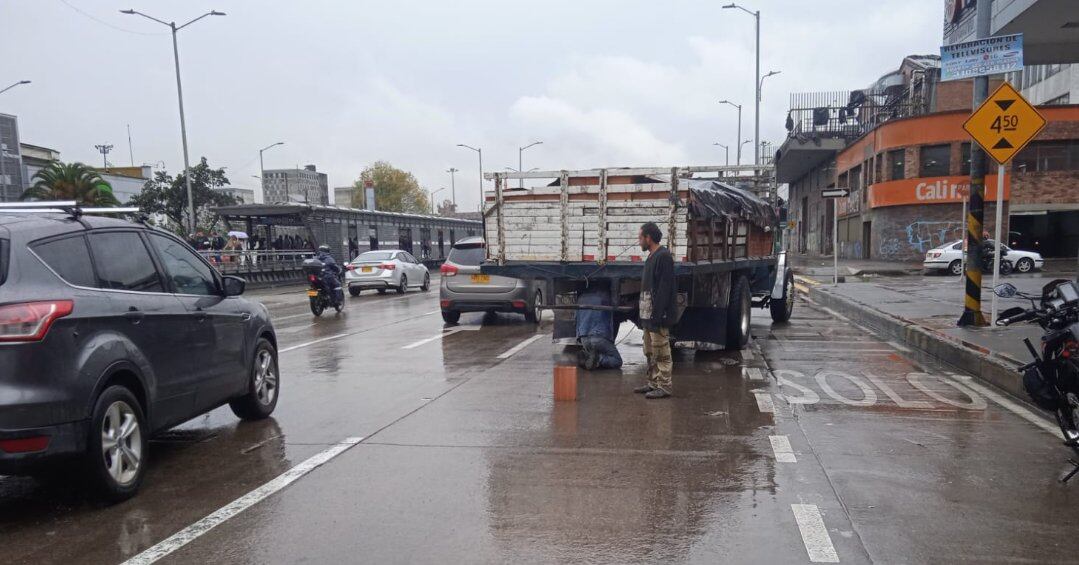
[949,258]
[110,332]
[383,270]
[465,289]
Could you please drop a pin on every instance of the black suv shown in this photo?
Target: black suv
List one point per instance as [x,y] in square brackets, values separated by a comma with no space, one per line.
[111,331]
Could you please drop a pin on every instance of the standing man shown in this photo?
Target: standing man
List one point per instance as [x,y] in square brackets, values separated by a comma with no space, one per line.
[658,312]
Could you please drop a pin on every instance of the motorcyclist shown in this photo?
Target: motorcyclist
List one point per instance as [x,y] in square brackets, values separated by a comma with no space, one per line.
[331,271]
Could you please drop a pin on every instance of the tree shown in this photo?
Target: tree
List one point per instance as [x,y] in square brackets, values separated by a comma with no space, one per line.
[70,181]
[165,194]
[447,208]
[395,190]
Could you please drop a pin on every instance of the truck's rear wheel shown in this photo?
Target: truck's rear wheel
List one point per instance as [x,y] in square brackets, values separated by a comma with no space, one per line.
[782,308]
[738,310]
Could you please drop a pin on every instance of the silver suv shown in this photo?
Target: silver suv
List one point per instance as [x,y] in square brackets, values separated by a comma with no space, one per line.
[465,289]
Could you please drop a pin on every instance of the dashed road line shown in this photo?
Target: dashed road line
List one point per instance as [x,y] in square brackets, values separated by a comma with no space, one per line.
[192,532]
[764,402]
[319,340]
[424,341]
[781,447]
[747,354]
[754,374]
[517,348]
[814,534]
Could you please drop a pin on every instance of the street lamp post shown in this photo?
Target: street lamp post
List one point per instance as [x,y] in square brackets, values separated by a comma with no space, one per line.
[262,169]
[453,187]
[743,143]
[14,85]
[180,97]
[726,152]
[520,159]
[433,193]
[757,73]
[738,153]
[479,151]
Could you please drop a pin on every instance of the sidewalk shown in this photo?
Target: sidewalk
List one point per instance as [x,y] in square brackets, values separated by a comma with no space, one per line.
[921,313]
[824,267]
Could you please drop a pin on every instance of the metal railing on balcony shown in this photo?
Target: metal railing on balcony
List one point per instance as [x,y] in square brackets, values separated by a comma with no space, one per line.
[847,113]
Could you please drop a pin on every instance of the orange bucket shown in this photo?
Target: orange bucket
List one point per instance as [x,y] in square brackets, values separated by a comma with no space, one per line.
[565,383]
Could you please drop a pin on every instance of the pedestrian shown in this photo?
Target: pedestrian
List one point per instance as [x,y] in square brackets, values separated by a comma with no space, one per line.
[657,312]
[595,332]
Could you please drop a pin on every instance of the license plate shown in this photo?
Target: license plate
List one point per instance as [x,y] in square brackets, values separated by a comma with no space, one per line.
[312,293]
[482,279]
[366,269]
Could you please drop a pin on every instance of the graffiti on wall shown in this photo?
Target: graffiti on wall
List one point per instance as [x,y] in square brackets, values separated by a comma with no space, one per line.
[923,236]
[889,247]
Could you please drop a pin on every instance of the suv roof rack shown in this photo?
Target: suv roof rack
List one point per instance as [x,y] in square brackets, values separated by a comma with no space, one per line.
[69,207]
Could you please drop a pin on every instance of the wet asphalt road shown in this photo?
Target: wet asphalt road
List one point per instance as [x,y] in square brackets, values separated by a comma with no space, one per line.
[818,443]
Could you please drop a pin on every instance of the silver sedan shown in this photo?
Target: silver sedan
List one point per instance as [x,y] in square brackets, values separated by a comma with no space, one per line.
[384,270]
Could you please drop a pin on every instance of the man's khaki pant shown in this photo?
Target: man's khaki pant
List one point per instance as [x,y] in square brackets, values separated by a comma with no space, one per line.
[657,350]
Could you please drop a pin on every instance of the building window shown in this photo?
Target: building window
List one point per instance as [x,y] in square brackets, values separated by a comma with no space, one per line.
[935,160]
[1047,156]
[1059,100]
[895,158]
[964,156]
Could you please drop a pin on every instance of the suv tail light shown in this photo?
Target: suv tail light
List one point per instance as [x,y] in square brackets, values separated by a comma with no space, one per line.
[30,321]
[448,270]
[388,266]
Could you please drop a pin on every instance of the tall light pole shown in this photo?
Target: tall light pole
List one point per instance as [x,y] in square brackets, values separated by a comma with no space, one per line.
[726,151]
[520,159]
[14,85]
[180,96]
[738,153]
[104,150]
[743,143]
[453,187]
[433,193]
[756,74]
[262,169]
[479,151]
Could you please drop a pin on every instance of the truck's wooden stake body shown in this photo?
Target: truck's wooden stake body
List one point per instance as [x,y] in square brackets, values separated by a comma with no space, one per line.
[580,230]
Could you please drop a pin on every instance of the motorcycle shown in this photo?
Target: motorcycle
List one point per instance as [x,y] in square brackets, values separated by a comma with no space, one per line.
[319,294]
[1052,379]
[1006,266]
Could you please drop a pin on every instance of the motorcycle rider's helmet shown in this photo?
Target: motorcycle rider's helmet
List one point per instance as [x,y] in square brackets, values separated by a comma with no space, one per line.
[324,248]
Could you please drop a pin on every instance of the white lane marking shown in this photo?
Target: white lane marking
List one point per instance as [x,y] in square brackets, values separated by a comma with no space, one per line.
[754,374]
[1010,405]
[747,354]
[278,319]
[764,402]
[431,312]
[192,532]
[319,340]
[416,344]
[781,446]
[814,535]
[516,348]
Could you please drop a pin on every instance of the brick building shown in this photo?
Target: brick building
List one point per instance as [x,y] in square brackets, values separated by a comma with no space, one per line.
[900,149]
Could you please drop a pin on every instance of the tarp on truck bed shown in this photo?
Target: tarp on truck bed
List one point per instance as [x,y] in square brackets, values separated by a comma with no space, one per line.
[711,198]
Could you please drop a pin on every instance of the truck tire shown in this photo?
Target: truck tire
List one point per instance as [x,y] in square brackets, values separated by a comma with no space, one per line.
[782,309]
[738,314]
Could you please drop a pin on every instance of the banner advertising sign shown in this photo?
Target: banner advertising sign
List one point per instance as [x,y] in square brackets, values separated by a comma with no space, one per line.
[934,190]
[989,56]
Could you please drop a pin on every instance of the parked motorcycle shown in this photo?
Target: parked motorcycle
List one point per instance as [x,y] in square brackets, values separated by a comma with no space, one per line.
[1006,266]
[319,293]
[1052,379]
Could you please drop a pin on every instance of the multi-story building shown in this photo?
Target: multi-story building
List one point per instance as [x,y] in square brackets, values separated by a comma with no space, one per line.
[12,173]
[305,185]
[900,149]
[342,196]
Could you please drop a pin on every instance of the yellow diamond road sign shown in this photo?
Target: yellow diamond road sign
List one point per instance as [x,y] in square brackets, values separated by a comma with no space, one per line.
[1004,123]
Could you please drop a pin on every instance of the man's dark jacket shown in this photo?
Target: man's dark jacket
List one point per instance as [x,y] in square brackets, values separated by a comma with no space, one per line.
[658,289]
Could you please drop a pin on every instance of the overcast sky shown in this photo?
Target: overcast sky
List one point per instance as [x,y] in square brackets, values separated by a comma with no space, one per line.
[346,83]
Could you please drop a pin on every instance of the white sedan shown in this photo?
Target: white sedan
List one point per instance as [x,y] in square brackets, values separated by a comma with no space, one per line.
[949,258]
[383,270]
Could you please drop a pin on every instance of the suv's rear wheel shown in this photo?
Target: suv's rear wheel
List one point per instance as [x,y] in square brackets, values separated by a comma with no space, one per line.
[263,386]
[117,446]
[534,313]
[450,316]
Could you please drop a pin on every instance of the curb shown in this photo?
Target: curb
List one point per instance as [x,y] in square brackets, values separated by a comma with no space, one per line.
[995,370]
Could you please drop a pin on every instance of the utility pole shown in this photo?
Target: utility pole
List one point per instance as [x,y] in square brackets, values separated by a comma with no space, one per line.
[262,168]
[104,150]
[479,152]
[726,152]
[130,151]
[453,187]
[738,150]
[520,159]
[972,302]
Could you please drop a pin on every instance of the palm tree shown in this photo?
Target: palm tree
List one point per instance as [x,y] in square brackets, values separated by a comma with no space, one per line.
[70,181]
